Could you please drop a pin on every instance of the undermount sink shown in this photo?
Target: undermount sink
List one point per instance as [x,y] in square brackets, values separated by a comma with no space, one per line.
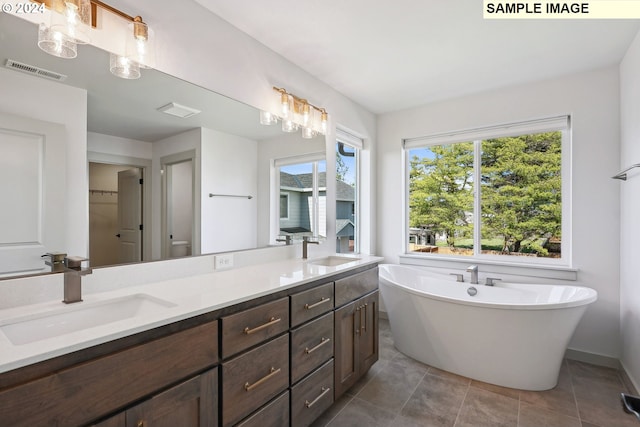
[74,318]
[332,260]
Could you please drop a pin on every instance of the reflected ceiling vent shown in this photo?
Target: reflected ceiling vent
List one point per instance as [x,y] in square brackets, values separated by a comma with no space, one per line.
[36,71]
[178,110]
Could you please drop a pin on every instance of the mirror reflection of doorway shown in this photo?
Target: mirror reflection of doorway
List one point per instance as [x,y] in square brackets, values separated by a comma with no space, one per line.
[179,208]
[115,214]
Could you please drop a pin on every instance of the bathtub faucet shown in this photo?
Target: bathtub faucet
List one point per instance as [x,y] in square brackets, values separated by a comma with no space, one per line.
[473,269]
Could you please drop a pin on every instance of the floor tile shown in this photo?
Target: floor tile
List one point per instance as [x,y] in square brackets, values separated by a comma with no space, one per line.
[435,402]
[358,413]
[560,399]
[505,391]
[392,386]
[401,392]
[532,416]
[333,411]
[483,408]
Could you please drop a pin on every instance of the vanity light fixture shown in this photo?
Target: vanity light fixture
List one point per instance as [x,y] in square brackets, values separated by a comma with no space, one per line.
[296,113]
[69,25]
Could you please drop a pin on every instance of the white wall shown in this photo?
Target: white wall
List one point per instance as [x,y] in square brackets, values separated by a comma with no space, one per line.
[592,100]
[116,146]
[228,167]
[49,101]
[630,212]
[183,142]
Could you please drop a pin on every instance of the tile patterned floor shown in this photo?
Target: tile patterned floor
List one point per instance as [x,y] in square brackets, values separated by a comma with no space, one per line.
[401,392]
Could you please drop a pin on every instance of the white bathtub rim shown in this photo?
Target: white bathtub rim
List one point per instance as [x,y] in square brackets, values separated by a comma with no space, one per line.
[468,300]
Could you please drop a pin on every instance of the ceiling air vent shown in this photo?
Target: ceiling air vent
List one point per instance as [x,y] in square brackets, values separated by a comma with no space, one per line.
[30,69]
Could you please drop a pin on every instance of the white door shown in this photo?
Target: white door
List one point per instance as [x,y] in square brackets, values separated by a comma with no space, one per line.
[32,184]
[130,215]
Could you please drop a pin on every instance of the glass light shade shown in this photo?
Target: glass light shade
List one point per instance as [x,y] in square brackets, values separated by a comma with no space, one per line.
[123,67]
[306,114]
[141,44]
[266,118]
[55,43]
[72,18]
[308,133]
[289,126]
[324,122]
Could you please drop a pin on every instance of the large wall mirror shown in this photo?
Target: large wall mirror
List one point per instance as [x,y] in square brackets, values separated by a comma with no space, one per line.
[159,185]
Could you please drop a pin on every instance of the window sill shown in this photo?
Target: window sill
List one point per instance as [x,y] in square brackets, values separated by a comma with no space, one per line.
[516,269]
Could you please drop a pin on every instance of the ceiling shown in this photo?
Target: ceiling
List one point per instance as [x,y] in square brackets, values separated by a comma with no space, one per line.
[390,56]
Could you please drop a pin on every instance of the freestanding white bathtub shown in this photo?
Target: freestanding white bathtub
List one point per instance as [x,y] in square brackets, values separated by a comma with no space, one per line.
[512,335]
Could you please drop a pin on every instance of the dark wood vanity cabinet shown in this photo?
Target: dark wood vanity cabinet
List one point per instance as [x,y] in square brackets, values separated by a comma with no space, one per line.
[79,388]
[194,403]
[356,335]
[276,361]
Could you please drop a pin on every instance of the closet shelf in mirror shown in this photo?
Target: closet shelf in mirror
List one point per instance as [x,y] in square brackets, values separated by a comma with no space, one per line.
[110,192]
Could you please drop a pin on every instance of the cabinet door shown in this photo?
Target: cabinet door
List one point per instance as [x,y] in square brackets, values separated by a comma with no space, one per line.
[193,403]
[368,345]
[346,357]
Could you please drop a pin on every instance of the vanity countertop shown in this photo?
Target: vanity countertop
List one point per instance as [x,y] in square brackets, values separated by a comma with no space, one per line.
[25,331]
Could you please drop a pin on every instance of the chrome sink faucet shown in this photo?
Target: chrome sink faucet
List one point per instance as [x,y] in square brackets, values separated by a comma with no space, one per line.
[287,239]
[73,278]
[305,243]
[473,269]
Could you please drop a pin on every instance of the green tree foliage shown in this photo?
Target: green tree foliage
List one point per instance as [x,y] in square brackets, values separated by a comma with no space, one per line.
[441,190]
[521,189]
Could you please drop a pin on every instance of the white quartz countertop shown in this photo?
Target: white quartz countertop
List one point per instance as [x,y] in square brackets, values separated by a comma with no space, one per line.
[26,335]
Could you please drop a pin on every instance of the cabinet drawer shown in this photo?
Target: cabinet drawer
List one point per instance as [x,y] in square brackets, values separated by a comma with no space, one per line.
[85,392]
[353,287]
[254,378]
[312,303]
[311,346]
[274,414]
[312,396]
[253,326]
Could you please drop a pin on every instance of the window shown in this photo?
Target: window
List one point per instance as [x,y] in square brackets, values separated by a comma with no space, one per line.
[284,205]
[302,192]
[491,192]
[347,192]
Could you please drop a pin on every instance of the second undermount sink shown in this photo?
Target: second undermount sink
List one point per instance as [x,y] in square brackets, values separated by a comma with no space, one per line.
[74,318]
[333,260]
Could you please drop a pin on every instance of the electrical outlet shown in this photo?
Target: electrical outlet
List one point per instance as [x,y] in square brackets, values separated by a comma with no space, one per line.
[223,262]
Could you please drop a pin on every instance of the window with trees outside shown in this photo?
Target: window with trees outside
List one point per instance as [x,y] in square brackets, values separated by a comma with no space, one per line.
[491,192]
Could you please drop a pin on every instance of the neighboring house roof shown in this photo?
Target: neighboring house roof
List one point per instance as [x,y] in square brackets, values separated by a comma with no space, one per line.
[344,227]
[345,192]
[302,181]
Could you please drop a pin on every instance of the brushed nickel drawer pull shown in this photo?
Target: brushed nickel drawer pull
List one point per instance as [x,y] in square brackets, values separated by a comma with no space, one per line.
[364,324]
[323,342]
[314,305]
[272,372]
[271,321]
[324,391]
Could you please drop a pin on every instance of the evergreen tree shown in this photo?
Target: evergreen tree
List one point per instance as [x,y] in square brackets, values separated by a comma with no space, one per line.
[441,190]
[521,189]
